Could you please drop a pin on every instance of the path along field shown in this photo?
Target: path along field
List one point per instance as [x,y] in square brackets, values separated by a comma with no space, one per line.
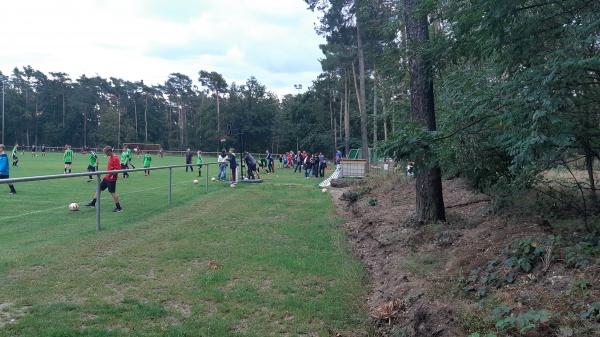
[259,260]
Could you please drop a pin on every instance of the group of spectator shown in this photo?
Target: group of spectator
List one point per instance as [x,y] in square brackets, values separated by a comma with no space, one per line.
[313,165]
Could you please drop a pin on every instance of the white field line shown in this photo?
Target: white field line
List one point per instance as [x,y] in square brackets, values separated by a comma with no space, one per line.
[59,207]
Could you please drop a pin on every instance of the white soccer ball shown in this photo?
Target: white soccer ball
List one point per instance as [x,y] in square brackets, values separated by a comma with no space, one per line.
[73,207]
[232,185]
[213,179]
[324,190]
[196,182]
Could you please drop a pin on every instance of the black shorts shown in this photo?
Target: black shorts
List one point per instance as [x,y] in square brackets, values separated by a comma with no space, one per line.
[111,185]
[3,176]
[68,163]
[91,168]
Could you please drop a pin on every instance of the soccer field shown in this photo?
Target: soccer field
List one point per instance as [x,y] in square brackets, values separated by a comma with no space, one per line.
[259,260]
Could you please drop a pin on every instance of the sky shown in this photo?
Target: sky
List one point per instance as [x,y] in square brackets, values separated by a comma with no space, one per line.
[273,40]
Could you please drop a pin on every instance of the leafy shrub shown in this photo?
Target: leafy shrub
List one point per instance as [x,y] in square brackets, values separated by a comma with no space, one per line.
[524,322]
[593,312]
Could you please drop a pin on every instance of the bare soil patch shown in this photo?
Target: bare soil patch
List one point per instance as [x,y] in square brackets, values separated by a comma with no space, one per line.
[419,273]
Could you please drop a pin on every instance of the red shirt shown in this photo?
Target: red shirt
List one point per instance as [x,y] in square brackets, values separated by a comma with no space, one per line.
[113,164]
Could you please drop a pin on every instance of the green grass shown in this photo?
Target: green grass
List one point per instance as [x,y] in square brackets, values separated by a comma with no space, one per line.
[284,267]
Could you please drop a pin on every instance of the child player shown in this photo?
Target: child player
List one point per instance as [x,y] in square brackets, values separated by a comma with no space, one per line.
[124,161]
[147,163]
[110,180]
[199,163]
[15,155]
[5,169]
[92,164]
[68,157]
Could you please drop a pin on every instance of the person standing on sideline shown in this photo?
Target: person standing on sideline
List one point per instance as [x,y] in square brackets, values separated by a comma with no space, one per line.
[199,162]
[15,155]
[251,164]
[92,163]
[110,180]
[322,165]
[270,163]
[299,162]
[5,168]
[338,157]
[233,166]
[68,157]
[43,150]
[307,165]
[188,160]
[222,160]
[33,149]
[315,165]
[147,163]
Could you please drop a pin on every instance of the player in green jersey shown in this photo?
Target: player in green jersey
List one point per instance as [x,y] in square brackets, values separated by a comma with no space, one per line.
[147,163]
[68,157]
[15,155]
[92,164]
[199,163]
[124,161]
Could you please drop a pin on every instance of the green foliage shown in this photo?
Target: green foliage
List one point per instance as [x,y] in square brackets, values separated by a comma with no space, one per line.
[584,253]
[524,322]
[592,313]
[520,257]
[372,202]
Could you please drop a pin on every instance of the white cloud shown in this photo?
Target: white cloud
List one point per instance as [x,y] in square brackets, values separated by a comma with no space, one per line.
[273,40]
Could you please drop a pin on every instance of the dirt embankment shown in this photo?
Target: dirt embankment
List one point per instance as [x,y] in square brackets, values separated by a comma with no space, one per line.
[447,279]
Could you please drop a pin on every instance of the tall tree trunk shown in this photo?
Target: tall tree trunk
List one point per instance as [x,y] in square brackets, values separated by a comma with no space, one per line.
[35,114]
[136,118]
[63,108]
[218,114]
[430,201]
[119,128]
[362,103]
[374,115]
[335,138]
[346,117]
[589,163]
[385,118]
[341,119]
[84,128]
[332,119]
[146,119]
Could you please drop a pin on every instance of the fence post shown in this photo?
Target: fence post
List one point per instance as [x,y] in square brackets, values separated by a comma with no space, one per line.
[98,181]
[170,184]
[206,183]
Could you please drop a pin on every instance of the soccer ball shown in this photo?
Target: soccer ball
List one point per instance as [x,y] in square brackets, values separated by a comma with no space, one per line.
[196,181]
[73,207]
[213,179]
[232,185]
[324,190]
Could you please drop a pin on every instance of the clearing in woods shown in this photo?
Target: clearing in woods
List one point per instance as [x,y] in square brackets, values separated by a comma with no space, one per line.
[260,260]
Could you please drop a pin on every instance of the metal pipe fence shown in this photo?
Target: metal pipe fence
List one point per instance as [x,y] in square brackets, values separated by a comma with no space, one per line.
[98,175]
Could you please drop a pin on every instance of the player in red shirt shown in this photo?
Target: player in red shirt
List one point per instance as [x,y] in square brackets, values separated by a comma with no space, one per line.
[110,180]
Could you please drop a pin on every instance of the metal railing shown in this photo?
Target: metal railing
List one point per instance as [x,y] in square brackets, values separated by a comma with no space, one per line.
[99,181]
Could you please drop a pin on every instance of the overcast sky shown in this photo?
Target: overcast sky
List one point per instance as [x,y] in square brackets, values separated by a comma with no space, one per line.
[274,40]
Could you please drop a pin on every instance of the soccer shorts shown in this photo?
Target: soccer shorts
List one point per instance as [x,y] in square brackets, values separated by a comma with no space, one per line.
[111,185]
